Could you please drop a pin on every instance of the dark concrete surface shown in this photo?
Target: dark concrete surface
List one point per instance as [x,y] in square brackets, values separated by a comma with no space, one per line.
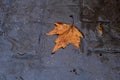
[25,50]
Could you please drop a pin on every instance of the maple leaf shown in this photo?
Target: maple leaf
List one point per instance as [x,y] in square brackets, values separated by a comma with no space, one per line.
[67,34]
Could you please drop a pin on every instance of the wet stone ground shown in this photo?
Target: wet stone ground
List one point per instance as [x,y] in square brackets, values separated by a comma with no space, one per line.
[25,49]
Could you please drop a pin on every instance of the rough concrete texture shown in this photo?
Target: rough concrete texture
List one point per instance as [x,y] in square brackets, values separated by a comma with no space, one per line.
[25,50]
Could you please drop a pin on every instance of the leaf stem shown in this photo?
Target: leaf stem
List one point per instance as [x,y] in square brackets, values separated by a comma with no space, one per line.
[72,19]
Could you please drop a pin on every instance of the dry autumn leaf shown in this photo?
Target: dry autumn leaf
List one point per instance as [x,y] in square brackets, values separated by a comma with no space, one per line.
[100,29]
[67,34]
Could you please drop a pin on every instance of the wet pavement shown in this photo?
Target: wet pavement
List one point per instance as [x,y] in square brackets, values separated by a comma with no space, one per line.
[25,49]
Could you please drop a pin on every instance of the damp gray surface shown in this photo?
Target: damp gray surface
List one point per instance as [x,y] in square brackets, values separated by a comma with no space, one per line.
[25,49]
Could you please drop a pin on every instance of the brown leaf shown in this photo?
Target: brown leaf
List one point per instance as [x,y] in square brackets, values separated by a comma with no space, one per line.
[100,29]
[67,34]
